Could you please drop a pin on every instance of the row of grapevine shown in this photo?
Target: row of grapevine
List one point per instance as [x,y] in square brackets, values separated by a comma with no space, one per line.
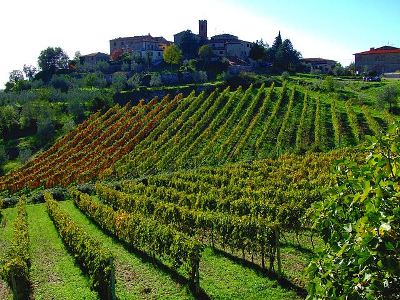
[283,130]
[230,143]
[261,139]
[177,130]
[184,159]
[15,270]
[318,126]
[145,234]
[239,99]
[372,123]
[353,122]
[245,233]
[196,129]
[97,261]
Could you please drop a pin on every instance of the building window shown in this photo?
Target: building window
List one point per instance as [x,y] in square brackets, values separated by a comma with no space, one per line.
[115,44]
[159,53]
[248,45]
[221,52]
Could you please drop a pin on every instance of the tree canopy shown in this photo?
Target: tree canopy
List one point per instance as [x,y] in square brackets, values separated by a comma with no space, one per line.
[172,55]
[189,45]
[53,59]
[283,56]
[258,50]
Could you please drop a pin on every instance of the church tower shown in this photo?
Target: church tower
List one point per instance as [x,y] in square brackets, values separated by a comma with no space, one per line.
[203,29]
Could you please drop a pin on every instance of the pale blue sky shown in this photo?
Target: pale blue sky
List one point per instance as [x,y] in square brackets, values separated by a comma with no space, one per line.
[333,29]
[358,24]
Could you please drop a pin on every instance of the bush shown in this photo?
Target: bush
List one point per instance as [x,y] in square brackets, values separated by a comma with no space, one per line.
[360,225]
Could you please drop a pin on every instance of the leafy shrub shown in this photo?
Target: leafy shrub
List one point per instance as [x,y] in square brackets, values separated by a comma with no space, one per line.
[360,225]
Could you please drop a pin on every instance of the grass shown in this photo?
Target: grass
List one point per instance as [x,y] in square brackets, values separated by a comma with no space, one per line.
[54,274]
[222,276]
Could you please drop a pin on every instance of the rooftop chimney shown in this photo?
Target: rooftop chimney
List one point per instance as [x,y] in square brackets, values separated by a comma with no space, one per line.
[372,48]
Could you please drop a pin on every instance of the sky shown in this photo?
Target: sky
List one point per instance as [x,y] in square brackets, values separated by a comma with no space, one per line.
[332,29]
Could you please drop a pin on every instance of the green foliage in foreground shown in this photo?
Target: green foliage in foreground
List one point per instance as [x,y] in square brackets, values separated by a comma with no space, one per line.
[360,224]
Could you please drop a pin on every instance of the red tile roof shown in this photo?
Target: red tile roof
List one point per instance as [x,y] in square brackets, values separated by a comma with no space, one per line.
[381,50]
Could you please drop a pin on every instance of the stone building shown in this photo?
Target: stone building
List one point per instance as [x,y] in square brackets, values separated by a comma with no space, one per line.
[385,59]
[324,65]
[94,58]
[222,45]
[145,46]
[228,45]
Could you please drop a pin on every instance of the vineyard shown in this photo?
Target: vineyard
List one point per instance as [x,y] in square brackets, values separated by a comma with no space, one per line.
[207,196]
[199,130]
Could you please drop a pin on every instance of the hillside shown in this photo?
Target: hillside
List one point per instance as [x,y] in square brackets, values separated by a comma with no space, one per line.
[171,134]
[207,196]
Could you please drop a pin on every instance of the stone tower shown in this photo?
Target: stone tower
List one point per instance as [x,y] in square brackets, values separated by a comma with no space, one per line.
[203,29]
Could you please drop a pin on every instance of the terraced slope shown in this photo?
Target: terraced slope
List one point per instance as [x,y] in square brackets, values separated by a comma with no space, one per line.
[199,130]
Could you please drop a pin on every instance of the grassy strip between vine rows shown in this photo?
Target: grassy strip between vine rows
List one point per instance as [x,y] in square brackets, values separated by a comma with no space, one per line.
[15,270]
[95,259]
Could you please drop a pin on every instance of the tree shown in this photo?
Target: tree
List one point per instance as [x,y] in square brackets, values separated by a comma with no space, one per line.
[102,66]
[172,55]
[29,71]
[189,44]
[3,152]
[350,70]
[77,110]
[24,155]
[155,80]
[95,80]
[52,59]
[15,76]
[271,52]
[135,81]
[277,42]
[205,53]
[286,57]
[61,82]
[200,76]
[258,51]
[338,70]
[389,95]
[45,130]
[118,81]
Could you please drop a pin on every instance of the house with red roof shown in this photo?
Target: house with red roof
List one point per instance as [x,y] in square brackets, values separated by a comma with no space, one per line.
[381,60]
